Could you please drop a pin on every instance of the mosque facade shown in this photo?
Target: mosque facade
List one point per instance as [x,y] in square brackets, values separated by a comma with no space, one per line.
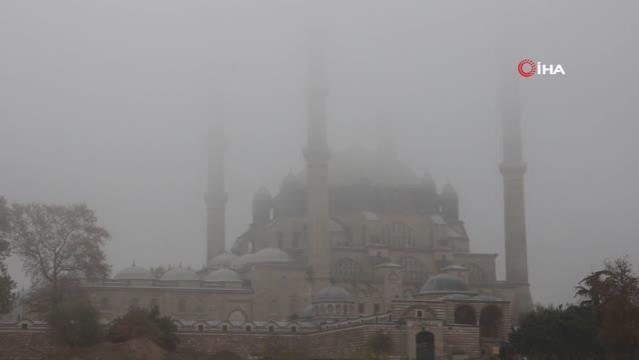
[355,243]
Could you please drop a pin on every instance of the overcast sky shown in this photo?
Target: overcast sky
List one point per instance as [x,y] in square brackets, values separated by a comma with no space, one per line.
[106,102]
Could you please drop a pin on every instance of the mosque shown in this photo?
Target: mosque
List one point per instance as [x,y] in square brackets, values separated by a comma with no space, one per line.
[355,243]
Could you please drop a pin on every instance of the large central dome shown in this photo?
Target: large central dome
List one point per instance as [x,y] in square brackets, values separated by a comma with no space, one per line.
[376,167]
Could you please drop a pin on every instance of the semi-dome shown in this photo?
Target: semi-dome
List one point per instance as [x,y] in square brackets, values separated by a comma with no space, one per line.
[444,283]
[223,275]
[180,274]
[332,294]
[134,273]
[223,260]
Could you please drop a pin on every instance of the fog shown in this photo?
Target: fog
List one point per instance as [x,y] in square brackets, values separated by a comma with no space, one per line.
[107,103]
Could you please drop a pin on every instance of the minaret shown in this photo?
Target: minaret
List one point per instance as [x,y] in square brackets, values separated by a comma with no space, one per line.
[216,195]
[513,169]
[317,155]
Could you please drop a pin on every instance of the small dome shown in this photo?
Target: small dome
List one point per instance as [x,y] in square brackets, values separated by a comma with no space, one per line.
[242,260]
[444,283]
[180,274]
[223,275]
[332,294]
[223,260]
[134,273]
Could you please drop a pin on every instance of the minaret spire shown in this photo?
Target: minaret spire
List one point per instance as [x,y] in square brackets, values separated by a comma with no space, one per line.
[216,195]
[513,169]
[317,155]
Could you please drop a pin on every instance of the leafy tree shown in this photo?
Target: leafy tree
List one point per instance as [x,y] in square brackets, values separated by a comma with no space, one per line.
[56,243]
[144,323]
[168,338]
[613,295]
[6,283]
[556,332]
[75,321]
[379,345]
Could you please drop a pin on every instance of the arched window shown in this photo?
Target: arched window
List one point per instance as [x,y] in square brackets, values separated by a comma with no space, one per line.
[271,329]
[346,269]
[465,314]
[398,235]
[413,269]
[236,317]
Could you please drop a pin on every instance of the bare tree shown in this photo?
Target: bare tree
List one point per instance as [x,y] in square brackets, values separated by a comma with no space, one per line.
[6,283]
[57,243]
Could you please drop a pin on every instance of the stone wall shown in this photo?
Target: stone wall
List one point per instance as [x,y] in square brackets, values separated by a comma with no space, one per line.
[343,343]
[24,344]
[243,345]
[329,344]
